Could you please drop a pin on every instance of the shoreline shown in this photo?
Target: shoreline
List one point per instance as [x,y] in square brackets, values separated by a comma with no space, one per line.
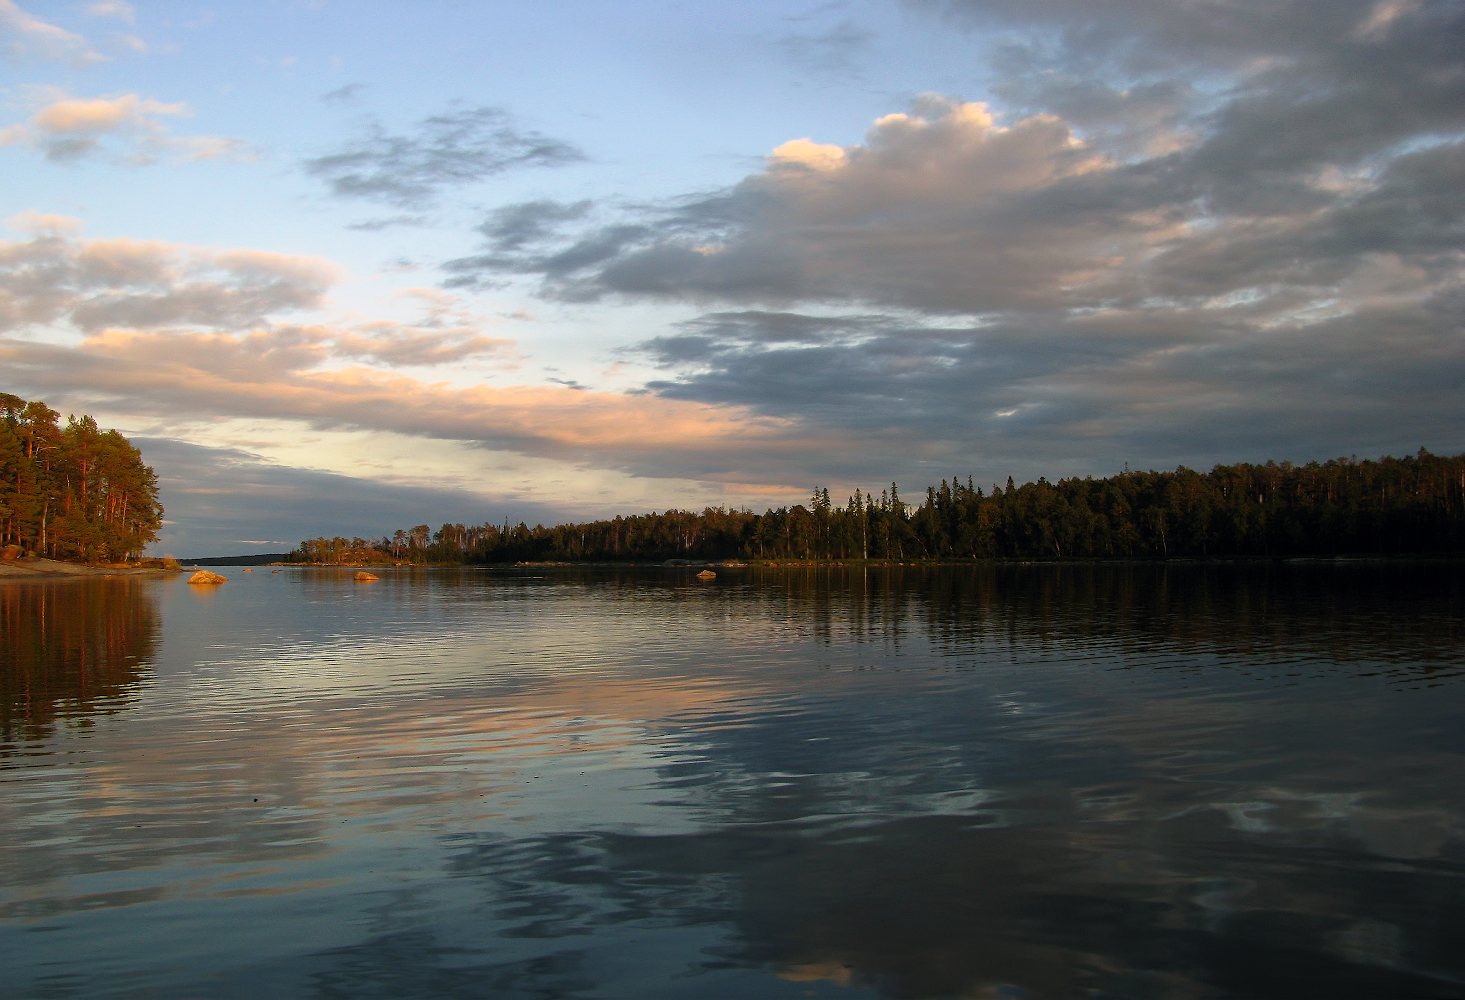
[1441,557]
[38,568]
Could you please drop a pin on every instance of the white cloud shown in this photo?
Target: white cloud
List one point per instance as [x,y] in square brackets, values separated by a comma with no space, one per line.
[129,127]
[118,9]
[28,37]
[31,221]
[129,43]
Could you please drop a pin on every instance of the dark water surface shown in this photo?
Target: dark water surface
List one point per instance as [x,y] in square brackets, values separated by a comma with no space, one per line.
[992,782]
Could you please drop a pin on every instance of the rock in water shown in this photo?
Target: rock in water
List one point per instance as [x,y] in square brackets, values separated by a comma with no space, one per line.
[364,577]
[204,576]
[707,574]
[249,571]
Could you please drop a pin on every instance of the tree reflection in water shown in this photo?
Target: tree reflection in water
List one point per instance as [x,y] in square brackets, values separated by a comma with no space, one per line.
[895,782]
[72,649]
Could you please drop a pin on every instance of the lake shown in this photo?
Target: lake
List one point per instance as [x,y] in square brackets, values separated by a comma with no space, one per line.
[908,782]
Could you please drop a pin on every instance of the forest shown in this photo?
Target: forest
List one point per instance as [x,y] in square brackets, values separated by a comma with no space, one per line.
[1390,506]
[72,492]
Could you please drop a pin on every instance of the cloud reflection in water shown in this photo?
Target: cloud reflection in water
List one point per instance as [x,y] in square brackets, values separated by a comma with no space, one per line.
[1016,781]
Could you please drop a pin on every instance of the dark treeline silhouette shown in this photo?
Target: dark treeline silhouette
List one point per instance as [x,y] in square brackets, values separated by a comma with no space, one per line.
[1392,506]
[73,492]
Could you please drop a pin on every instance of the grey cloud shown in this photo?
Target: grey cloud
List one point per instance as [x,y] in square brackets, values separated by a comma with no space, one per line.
[67,150]
[529,244]
[1069,395]
[1155,150]
[211,303]
[1281,88]
[928,214]
[514,226]
[753,327]
[388,222]
[832,51]
[345,94]
[1151,36]
[457,147]
[1200,232]
[1414,212]
[1203,233]
[1128,121]
[216,497]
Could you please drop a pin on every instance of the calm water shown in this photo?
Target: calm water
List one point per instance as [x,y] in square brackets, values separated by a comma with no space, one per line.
[1013,782]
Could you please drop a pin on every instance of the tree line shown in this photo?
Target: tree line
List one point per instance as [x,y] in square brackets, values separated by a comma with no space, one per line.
[72,492]
[1388,506]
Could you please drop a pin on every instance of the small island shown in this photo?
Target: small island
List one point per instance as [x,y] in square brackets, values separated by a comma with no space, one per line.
[75,500]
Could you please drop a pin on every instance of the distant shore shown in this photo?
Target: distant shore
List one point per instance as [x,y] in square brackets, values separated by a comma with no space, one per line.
[1367,558]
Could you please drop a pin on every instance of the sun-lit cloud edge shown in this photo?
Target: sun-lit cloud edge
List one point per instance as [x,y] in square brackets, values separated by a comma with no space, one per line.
[126,127]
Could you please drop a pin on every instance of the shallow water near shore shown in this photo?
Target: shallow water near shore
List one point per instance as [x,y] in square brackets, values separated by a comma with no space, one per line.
[1010,781]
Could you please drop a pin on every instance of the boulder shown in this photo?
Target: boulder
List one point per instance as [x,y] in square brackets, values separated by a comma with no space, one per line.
[11,552]
[707,574]
[365,577]
[203,576]
[249,571]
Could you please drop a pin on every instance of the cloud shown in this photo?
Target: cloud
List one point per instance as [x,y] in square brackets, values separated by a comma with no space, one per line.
[27,37]
[942,208]
[345,94]
[92,285]
[118,9]
[388,222]
[1175,234]
[31,221]
[1185,235]
[831,51]
[274,373]
[218,497]
[130,127]
[458,147]
[1276,91]
[177,331]
[513,227]
[446,333]
[1141,141]
[109,289]
[1074,395]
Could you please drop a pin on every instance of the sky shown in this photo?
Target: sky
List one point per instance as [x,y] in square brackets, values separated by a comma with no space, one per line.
[342,268]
